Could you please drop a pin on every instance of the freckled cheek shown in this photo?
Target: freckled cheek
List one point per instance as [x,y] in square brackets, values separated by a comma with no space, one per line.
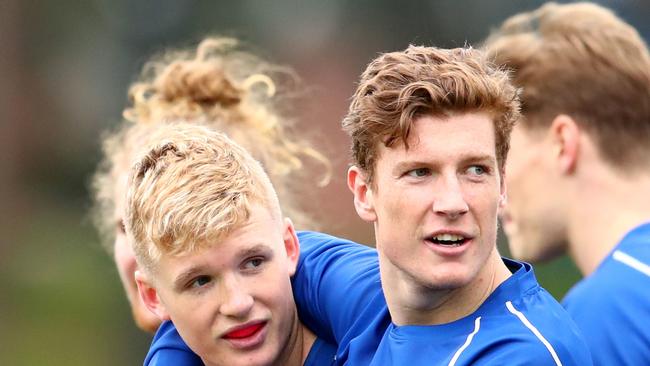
[399,200]
[392,208]
[490,221]
[194,323]
[489,200]
[484,202]
[197,312]
[273,290]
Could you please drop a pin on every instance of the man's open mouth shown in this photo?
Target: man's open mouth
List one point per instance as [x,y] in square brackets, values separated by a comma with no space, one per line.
[448,240]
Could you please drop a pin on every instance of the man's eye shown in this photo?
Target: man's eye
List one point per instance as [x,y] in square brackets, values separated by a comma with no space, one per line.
[477,170]
[419,172]
[200,281]
[253,263]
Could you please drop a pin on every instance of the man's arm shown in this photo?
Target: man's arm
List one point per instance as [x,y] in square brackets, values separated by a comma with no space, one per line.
[168,349]
[336,286]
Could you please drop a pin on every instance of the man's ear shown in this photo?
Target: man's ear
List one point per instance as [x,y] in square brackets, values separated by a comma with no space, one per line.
[149,296]
[565,137]
[363,200]
[291,245]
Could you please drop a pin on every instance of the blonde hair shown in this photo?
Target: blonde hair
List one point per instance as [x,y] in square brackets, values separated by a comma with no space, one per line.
[229,90]
[398,87]
[581,60]
[191,187]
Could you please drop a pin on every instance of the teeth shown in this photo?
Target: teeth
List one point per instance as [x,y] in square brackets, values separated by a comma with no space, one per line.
[448,237]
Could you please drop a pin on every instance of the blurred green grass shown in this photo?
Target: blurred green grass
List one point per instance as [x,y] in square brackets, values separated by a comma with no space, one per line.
[62,301]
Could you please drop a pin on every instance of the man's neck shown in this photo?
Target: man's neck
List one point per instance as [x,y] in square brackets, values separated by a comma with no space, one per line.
[308,340]
[607,206]
[298,346]
[410,303]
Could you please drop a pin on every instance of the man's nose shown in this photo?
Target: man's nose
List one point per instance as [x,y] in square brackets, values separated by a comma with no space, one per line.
[237,301]
[449,199]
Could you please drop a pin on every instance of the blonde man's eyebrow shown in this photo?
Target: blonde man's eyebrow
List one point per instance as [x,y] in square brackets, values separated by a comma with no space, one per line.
[255,250]
[181,280]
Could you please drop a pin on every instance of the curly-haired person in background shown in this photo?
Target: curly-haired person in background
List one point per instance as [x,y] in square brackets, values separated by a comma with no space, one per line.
[217,86]
[578,171]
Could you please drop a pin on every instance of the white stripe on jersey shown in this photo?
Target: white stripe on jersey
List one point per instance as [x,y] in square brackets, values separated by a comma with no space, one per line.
[632,262]
[536,332]
[477,326]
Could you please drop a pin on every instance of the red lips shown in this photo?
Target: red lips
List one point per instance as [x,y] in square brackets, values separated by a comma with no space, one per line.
[245,331]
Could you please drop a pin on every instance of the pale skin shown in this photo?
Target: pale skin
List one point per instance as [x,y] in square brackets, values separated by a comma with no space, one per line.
[239,285]
[126,264]
[599,203]
[447,183]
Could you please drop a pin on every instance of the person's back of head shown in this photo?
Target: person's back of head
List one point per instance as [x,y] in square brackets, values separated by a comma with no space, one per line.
[232,91]
[221,86]
[583,61]
[398,87]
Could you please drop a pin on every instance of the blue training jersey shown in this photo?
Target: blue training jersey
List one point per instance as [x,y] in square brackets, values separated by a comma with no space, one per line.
[612,305]
[338,292]
[169,349]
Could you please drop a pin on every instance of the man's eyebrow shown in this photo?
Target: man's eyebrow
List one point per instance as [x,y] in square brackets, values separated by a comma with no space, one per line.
[184,277]
[409,164]
[254,250]
[469,157]
[480,158]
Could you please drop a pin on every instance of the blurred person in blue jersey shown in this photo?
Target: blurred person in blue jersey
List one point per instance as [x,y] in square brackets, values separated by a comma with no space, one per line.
[578,174]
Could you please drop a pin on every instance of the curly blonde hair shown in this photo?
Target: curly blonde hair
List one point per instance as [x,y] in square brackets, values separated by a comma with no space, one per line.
[220,86]
[398,87]
[582,60]
[191,187]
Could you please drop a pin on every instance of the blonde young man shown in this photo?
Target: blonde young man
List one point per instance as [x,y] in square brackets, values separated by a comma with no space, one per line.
[579,169]
[215,253]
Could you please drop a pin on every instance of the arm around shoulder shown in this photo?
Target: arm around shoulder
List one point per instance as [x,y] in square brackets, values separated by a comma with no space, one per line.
[169,349]
[334,282]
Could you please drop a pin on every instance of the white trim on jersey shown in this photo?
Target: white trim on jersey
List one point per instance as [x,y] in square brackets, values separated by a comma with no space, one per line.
[632,262]
[477,326]
[536,332]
